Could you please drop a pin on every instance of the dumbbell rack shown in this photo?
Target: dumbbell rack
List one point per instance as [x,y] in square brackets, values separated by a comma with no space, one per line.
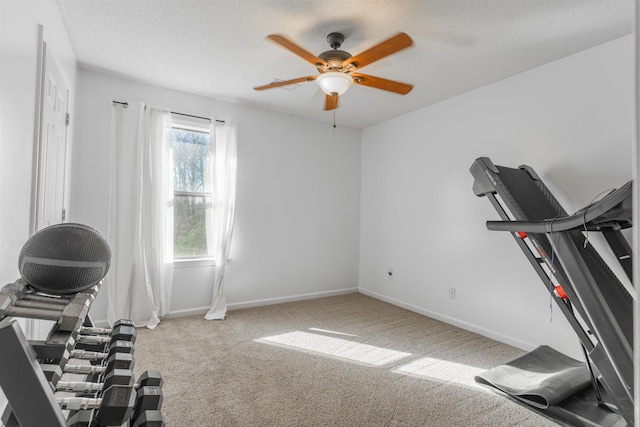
[32,401]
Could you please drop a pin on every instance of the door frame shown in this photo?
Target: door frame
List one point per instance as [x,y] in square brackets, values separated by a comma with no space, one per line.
[39,131]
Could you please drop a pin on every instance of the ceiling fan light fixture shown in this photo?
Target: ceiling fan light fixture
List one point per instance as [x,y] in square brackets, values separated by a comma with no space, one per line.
[334,82]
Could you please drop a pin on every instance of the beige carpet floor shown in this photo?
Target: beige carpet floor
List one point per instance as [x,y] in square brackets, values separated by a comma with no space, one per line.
[348,360]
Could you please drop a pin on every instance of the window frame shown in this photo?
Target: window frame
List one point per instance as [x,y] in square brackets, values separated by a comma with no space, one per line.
[197,125]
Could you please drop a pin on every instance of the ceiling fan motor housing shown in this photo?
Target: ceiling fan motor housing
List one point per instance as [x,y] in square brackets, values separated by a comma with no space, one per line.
[334,58]
[335,40]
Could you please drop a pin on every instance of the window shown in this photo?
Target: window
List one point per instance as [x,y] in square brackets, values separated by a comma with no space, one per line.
[192,193]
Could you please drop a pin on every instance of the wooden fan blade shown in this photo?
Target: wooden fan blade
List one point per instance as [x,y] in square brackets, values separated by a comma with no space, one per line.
[286,82]
[288,44]
[330,102]
[394,44]
[380,83]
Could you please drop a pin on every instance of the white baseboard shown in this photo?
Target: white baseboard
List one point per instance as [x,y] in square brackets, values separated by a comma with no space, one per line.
[248,304]
[300,297]
[523,345]
[262,302]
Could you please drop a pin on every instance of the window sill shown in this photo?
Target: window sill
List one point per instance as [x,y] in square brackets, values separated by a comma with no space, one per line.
[194,262]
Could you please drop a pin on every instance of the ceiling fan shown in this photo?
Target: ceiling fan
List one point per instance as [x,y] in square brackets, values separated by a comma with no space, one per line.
[339,69]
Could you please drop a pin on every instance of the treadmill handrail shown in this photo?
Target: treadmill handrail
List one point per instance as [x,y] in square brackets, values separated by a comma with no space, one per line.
[570,222]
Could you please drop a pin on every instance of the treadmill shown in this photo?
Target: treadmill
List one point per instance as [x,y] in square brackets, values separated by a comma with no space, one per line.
[597,305]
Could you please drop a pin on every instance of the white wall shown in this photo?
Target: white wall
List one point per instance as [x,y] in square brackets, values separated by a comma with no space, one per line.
[571,120]
[19,52]
[297,223]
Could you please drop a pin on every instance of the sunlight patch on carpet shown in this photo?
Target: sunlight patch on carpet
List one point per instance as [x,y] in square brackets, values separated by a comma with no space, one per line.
[336,347]
[441,370]
[326,331]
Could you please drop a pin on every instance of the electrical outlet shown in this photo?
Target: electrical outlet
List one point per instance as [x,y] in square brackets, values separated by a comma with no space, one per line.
[390,273]
[452,293]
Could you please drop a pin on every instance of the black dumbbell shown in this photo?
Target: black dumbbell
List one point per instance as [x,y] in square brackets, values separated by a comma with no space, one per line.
[119,346]
[122,330]
[148,398]
[114,408]
[97,343]
[113,377]
[95,357]
[150,378]
[92,330]
[53,373]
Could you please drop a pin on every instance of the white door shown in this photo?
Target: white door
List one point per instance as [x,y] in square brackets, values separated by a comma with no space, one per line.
[52,144]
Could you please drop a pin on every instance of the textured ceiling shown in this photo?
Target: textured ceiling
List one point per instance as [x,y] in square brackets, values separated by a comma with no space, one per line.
[218,48]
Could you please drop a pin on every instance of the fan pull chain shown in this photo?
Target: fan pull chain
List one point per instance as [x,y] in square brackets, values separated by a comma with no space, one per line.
[334,120]
[335,104]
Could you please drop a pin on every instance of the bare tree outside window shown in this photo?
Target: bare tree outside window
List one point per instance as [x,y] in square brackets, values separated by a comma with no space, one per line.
[191,198]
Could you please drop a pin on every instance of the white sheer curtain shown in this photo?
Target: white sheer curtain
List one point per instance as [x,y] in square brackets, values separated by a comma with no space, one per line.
[141,215]
[225,160]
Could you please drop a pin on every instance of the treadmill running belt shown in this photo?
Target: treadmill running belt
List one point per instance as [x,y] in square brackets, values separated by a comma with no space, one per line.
[541,378]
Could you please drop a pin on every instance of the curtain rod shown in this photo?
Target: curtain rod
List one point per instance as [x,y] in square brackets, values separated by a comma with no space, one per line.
[126,104]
